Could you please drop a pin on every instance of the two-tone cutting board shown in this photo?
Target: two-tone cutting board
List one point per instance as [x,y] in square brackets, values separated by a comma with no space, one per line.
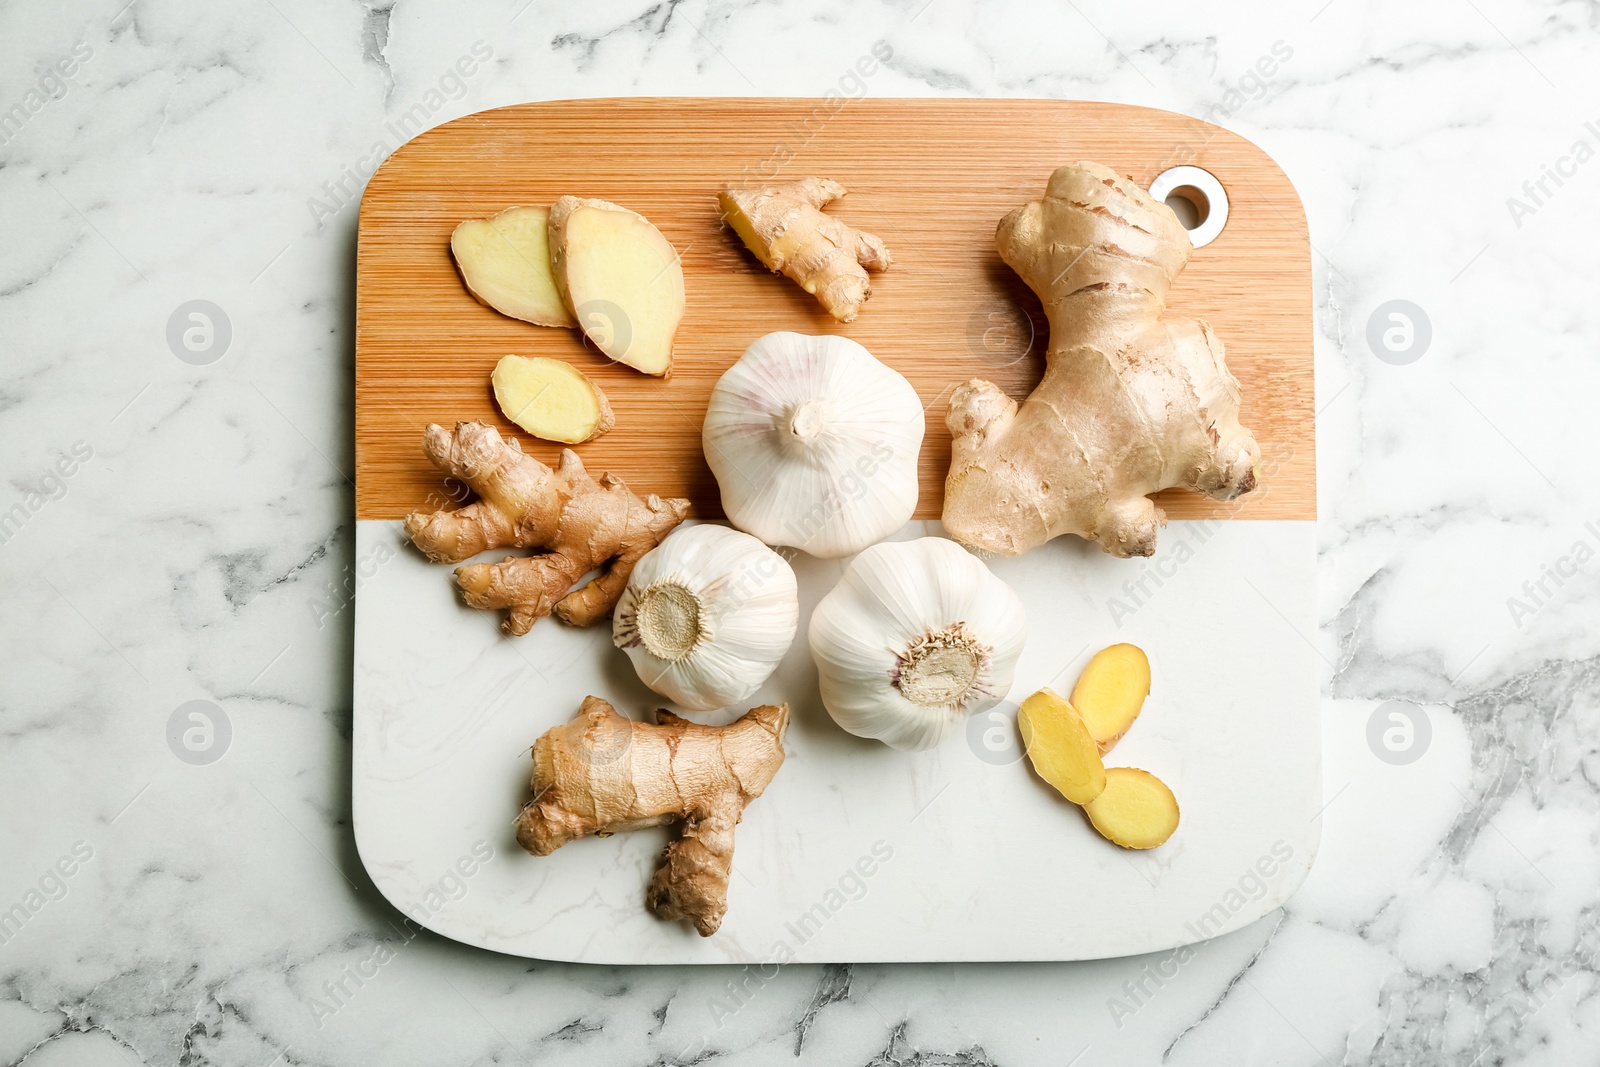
[970,856]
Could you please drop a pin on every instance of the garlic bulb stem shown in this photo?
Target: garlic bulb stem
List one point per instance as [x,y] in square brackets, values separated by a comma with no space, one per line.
[805,421]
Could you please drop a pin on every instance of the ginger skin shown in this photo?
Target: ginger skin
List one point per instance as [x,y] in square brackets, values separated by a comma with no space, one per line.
[581,523]
[786,229]
[1133,400]
[602,774]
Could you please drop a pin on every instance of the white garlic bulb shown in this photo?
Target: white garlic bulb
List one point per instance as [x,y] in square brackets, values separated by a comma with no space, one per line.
[707,615]
[916,636]
[814,444]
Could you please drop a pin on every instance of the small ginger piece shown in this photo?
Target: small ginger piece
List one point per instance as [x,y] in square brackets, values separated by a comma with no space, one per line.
[1133,400]
[582,524]
[1135,810]
[786,229]
[603,774]
[550,399]
[621,279]
[1111,691]
[505,262]
[1060,746]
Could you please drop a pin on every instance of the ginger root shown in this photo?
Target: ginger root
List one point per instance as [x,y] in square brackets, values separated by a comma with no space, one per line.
[1133,400]
[621,279]
[603,774]
[1135,810]
[505,262]
[1110,692]
[581,523]
[550,399]
[786,229]
[1060,747]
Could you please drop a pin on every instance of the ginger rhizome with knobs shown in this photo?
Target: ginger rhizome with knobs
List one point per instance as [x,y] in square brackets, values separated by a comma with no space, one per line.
[785,227]
[1133,400]
[604,774]
[505,262]
[620,278]
[916,636]
[582,524]
[814,444]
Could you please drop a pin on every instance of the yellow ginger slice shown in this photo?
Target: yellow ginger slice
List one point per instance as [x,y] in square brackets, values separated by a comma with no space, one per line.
[1111,691]
[552,400]
[1135,810]
[505,262]
[1060,746]
[621,280]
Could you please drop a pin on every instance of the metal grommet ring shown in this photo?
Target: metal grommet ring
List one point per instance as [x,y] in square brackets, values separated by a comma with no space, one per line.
[1201,188]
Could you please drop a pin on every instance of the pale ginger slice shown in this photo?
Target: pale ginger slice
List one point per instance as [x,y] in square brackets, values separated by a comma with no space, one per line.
[1060,746]
[1110,692]
[1135,810]
[550,399]
[582,525]
[603,774]
[505,262]
[621,280]
[1133,400]
[786,229]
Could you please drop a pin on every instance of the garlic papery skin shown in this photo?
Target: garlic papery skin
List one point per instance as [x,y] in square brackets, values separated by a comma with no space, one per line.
[707,615]
[814,444]
[916,636]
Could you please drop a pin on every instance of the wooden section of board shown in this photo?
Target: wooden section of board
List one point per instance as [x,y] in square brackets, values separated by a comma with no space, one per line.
[931,177]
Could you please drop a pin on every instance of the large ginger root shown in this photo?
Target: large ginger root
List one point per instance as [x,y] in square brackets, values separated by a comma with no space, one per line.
[786,229]
[1133,400]
[581,523]
[604,774]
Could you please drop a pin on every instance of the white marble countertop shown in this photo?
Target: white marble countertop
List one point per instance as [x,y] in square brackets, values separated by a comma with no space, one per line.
[179,531]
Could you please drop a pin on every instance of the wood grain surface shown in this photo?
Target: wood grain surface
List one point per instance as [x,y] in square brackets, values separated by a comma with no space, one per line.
[931,177]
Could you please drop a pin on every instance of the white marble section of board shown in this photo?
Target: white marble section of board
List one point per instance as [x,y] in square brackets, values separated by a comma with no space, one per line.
[858,852]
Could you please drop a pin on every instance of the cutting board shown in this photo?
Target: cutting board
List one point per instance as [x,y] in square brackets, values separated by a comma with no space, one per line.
[970,856]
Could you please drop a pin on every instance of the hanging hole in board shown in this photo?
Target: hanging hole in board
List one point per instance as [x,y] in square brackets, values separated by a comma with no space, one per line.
[1197,198]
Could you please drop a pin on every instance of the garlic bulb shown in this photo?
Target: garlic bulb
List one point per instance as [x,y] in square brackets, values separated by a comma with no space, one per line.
[916,636]
[706,616]
[814,444]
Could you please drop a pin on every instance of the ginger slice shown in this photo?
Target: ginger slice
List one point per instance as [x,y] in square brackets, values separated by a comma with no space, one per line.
[1111,691]
[601,774]
[1060,746]
[505,263]
[1135,810]
[786,229]
[552,400]
[620,278]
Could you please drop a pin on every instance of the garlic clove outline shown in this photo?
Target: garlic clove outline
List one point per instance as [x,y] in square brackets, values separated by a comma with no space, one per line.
[814,443]
[916,636]
[707,615]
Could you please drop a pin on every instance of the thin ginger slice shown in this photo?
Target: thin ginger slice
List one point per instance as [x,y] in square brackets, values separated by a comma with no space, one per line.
[1110,692]
[505,263]
[1135,810]
[620,278]
[550,399]
[1061,747]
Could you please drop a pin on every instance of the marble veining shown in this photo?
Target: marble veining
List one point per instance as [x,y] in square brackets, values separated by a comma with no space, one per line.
[163,151]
